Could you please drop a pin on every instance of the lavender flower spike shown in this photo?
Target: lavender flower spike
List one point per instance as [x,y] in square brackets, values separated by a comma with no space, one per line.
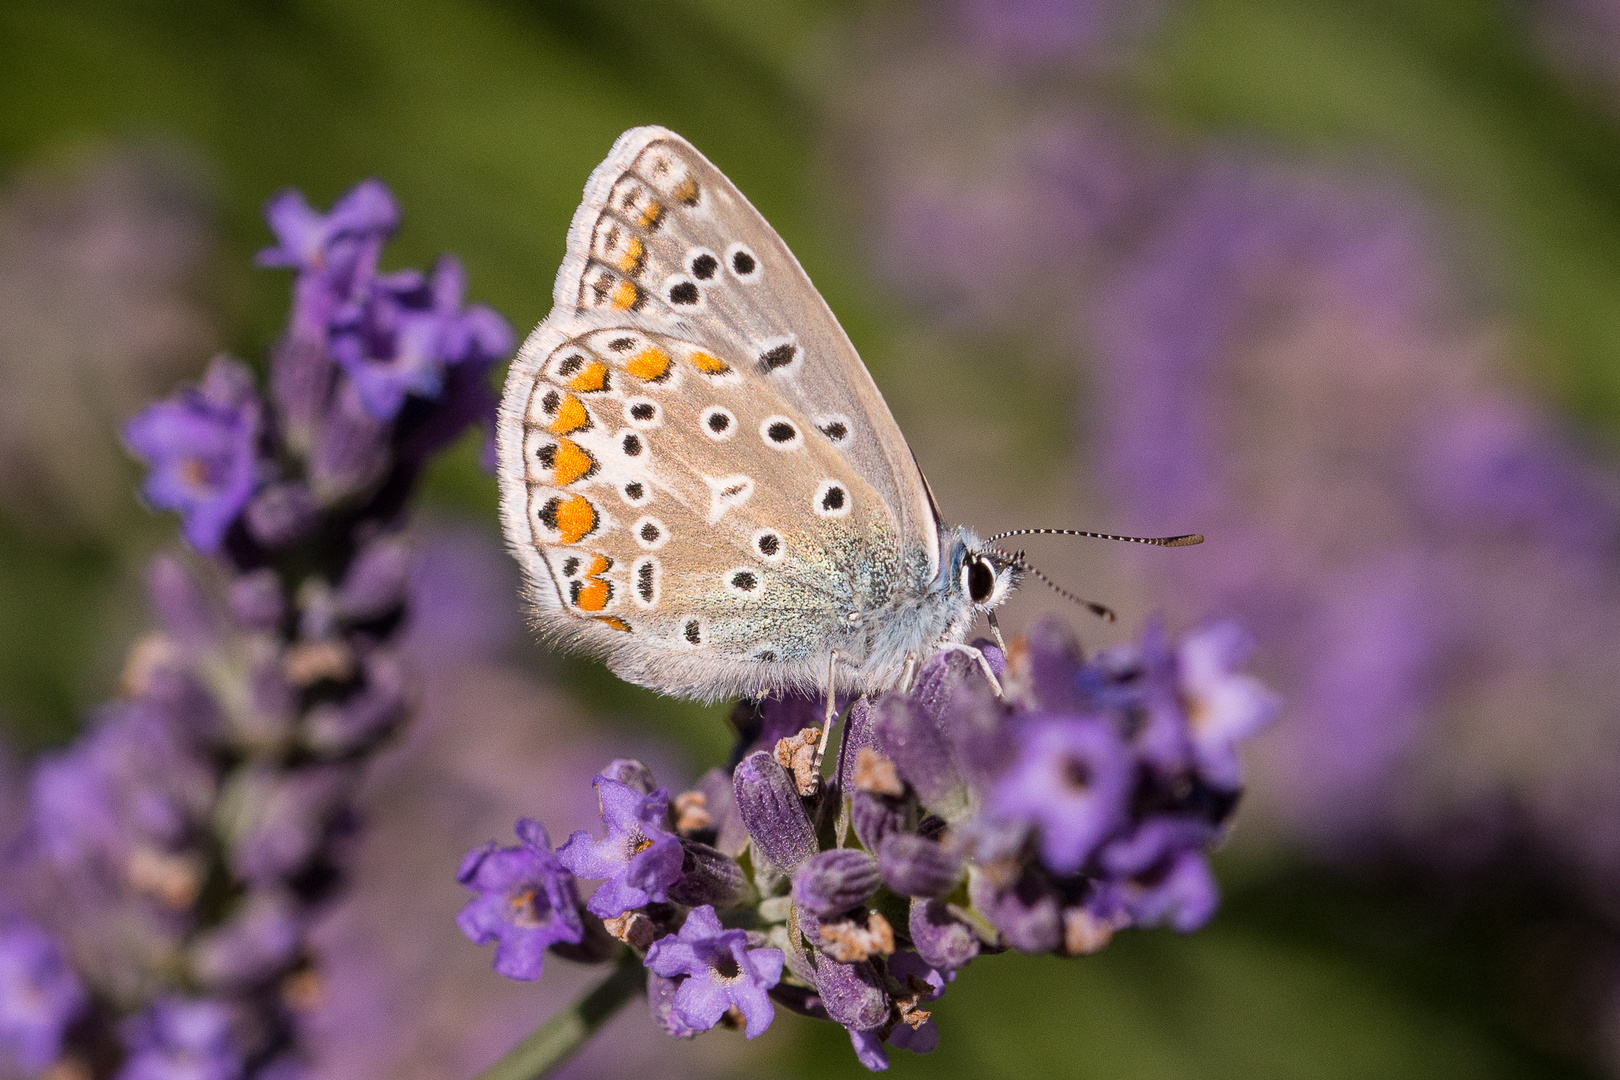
[1072,779]
[175,1039]
[202,446]
[1223,706]
[39,997]
[721,971]
[526,902]
[638,859]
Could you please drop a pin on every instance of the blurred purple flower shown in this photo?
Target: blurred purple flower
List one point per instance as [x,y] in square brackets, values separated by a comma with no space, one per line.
[203,447]
[526,901]
[1071,782]
[720,971]
[39,996]
[126,801]
[334,244]
[181,1039]
[407,330]
[638,858]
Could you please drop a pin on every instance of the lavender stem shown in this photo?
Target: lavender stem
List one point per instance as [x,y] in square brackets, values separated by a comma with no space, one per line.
[549,1046]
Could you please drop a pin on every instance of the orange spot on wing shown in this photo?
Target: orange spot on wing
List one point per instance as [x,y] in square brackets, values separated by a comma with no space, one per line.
[625,295]
[571,417]
[591,378]
[651,364]
[592,594]
[687,191]
[600,564]
[630,259]
[613,621]
[576,519]
[570,463]
[651,214]
[709,365]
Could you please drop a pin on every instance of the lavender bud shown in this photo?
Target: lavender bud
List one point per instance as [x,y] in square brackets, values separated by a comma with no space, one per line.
[1027,912]
[351,450]
[914,866]
[768,802]
[709,877]
[384,700]
[940,938]
[256,600]
[908,737]
[255,943]
[852,994]
[181,606]
[875,817]
[281,514]
[631,773]
[833,882]
[1044,675]
[375,583]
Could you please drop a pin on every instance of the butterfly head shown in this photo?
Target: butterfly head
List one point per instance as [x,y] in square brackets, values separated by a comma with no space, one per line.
[984,575]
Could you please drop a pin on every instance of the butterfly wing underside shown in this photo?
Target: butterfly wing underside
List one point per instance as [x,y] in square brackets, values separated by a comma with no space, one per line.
[699,475]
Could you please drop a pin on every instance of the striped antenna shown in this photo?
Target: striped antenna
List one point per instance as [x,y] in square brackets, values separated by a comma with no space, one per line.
[1187,540]
[1102,612]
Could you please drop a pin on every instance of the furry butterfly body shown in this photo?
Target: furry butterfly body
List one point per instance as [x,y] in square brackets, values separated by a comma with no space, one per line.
[700,479]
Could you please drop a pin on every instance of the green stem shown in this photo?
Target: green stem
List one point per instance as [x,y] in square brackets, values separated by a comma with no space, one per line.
[549,1046]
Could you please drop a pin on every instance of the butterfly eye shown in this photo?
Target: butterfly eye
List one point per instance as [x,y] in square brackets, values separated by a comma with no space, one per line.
[978,579]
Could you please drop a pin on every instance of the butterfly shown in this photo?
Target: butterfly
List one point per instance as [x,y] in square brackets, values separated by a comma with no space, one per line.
[701,481]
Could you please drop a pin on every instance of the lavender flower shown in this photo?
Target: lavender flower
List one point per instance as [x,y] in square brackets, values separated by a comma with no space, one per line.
[526,902]
[189,838]
[720,971]
[178,1039]
[1071,781]
[407,329]
[202,445]
[639,859]
[39,995]
[1043,822]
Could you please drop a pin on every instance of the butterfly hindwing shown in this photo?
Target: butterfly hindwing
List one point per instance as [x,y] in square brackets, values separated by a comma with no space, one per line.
[678,516]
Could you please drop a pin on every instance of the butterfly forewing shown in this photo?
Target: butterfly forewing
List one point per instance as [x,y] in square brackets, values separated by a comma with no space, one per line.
[663,231]
[700,478]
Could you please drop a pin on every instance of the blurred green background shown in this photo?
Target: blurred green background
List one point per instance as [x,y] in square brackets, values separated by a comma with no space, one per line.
[485,118]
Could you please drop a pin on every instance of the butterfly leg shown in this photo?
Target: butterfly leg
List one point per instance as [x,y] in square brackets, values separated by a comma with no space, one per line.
[908,674]
[984,662]
[832,706]
[995,629]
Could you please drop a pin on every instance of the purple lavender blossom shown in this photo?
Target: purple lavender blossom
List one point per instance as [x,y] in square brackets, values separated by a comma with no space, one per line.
[309,241]
[720,971]
[1071,782]
[1224,706]
[638,858]
[39,996]
[126,802]
[526,902]
[408,329]
[179,1039]
[202,445]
